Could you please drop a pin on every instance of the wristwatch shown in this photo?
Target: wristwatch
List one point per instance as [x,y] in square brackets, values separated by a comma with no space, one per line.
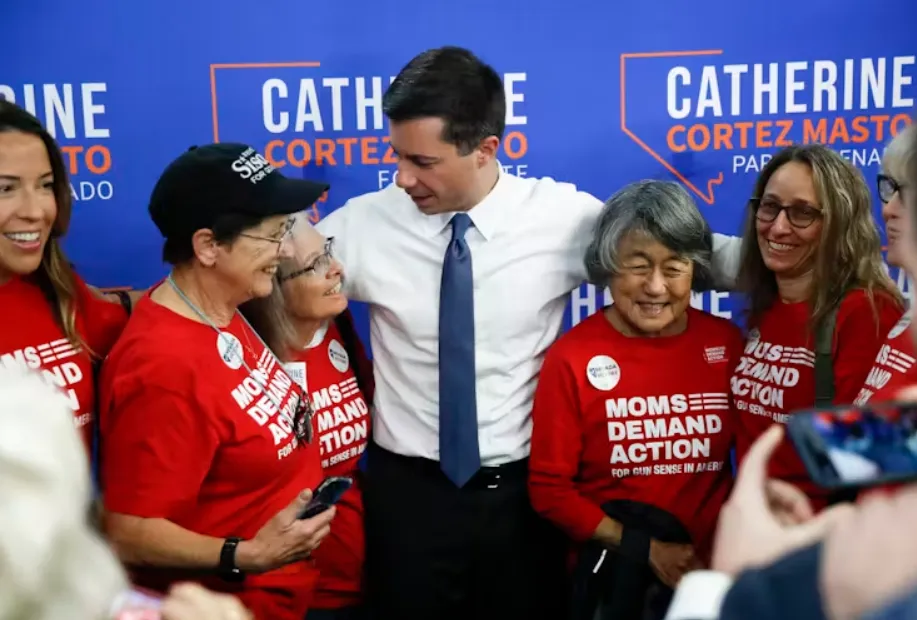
[228,569]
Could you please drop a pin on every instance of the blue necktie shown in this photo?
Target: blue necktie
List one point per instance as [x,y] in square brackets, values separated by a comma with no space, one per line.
[459,455]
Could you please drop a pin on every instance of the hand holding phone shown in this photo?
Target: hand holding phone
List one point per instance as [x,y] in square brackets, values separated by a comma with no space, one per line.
[852,447]
[326,495]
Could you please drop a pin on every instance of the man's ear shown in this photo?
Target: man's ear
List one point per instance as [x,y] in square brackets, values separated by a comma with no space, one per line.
[487,150]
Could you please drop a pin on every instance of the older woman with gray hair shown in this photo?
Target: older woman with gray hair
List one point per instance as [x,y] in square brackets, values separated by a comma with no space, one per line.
[632,416]
[896,363]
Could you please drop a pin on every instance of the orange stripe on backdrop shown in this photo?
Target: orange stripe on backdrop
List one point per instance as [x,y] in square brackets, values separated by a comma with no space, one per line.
[706,196]
[244,65]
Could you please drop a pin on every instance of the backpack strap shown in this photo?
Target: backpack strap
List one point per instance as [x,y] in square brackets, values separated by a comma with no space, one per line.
[824,360]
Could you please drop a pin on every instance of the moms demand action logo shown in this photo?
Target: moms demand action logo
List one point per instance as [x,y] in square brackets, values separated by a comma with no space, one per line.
[703,117]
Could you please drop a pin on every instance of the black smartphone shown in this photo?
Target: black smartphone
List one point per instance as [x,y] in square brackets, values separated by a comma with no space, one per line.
[326,495]
[857,447]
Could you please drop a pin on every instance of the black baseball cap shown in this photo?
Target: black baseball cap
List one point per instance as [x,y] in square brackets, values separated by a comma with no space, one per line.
[209,181]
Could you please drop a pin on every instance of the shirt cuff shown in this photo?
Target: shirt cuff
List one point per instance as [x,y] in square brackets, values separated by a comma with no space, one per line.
[699,596]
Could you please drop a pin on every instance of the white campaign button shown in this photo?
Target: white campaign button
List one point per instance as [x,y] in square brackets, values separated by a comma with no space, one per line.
[230,350]
[900,326]
[603,372]
[338,356]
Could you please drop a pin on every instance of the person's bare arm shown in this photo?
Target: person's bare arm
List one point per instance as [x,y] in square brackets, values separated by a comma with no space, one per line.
[160,542]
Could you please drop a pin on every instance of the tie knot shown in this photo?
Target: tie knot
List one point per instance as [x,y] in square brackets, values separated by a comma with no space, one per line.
[461,222]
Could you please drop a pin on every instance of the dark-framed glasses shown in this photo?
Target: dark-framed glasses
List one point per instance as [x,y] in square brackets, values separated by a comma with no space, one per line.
[318,267]
[887,187]
[800,216]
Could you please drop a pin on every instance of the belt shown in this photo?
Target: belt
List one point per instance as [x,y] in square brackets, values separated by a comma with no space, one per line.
[514,473]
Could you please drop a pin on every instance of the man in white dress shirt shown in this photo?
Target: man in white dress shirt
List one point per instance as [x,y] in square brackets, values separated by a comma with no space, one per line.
[467,271]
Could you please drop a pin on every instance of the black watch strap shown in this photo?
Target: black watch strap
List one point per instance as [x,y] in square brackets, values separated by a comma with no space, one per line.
[228,569]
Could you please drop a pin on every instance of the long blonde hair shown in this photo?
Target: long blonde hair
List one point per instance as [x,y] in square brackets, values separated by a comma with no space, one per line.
[55,277]
[849,255]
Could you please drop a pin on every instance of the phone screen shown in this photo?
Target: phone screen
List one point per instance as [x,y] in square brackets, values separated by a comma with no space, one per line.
[328,493]
[846,447]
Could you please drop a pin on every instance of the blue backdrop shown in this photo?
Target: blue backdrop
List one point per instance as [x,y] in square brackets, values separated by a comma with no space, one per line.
[600,94]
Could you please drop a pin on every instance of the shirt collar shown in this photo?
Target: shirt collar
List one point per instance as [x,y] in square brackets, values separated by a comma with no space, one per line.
[486,215]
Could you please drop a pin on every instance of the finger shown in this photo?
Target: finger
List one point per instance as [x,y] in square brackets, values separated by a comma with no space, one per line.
[816,528]
[178,609]
[752,476]
[185,591]
[316,539]
[295,508]
[671,579]
[789,499]
[907,395]
[321,519]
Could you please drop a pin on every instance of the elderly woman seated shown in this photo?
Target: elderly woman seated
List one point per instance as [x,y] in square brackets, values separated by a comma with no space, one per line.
[632,415]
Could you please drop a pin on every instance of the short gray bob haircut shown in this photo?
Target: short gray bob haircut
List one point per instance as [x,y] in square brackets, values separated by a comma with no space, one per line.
[663,211]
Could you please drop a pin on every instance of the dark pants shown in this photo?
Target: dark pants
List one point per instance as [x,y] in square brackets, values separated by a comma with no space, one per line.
[344,613]
[436,551]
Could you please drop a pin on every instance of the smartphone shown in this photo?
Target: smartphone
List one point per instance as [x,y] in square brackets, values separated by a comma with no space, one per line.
[857,447]
[326,495]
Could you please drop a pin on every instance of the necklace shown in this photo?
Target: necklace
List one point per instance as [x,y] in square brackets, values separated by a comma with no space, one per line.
[302,418]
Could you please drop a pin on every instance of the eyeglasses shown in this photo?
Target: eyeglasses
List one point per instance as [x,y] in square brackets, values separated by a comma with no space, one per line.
[887,187]
[319,267]
[800,216]
[279,240]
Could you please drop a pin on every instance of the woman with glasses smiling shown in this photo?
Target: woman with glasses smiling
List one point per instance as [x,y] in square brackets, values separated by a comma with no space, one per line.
[305,320]
[207,454]
[818,295]
[896,364]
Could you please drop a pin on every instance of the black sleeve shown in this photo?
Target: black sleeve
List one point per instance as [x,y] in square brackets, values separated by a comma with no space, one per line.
[785,590]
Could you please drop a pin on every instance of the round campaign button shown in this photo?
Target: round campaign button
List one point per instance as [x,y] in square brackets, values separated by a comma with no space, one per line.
[230,350]
[603,372]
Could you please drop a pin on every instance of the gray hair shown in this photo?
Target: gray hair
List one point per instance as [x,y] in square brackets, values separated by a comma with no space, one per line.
[662,210]
[909,178]
[897,153]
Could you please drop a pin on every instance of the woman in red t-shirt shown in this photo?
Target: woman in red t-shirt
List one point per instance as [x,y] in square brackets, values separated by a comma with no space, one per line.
[207,450]
[51,320]
[306,319]
[633,403]
[810,247]
[895,366]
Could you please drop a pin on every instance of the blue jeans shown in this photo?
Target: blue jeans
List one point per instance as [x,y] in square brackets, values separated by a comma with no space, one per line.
[343,613]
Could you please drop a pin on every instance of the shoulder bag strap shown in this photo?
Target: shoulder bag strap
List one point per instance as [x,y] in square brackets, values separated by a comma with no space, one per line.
[824,360]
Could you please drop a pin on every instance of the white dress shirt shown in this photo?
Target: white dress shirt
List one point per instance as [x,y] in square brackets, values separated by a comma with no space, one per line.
[527,248]
[699,596]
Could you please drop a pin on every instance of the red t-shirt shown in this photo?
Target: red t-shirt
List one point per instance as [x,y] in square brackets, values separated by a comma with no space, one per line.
[893,371]
[31,337]
[894,367]
[643,419]
[776,375]
[342,426]
[190,436]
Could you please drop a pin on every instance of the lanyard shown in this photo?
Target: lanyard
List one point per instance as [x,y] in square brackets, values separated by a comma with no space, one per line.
[303,400]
